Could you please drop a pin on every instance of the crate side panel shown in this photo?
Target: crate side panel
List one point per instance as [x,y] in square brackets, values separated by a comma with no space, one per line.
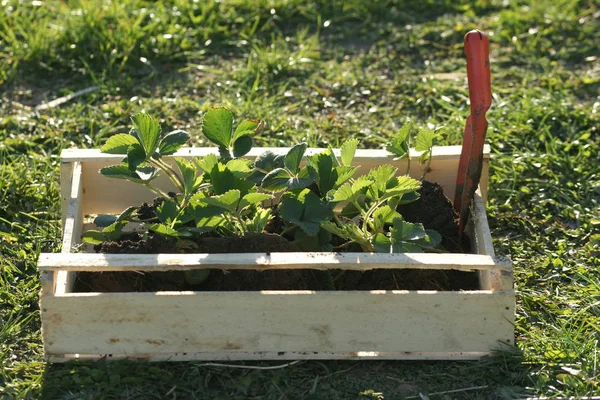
[168,322]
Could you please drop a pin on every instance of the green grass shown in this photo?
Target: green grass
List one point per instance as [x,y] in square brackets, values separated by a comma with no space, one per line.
[318,71]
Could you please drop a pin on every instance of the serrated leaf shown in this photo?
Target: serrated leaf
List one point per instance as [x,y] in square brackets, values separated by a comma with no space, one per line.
[93,237]
[217,126]
[242,146]
[381,243]
[173,142]
[402,185]
[260,220]
[381,175]
[268,161]
[104,220]
[239,167]
[121,172]
[253,198]
[322,171]
[348,150]
[147,173]
[294,157]
[382,216]
[424,157]
[228,201]
[349,190]
[344,173]
[403,231]
[305,210]
[188,173]
[319,242]
[135,156]
[113,231]
[249,127]
[276,180]
[425,140]
[207,163]
[406,247]
[167,211]
[119,144]
[148,131]
[165,230]
[301,180]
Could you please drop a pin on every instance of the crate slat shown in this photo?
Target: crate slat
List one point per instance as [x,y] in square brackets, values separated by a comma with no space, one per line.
[264,261]
[339,322]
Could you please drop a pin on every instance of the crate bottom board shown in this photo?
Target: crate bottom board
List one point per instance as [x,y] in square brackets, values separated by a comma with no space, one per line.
[277,325]
[272,356]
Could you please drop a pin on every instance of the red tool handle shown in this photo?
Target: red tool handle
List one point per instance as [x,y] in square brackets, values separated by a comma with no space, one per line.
[477,49]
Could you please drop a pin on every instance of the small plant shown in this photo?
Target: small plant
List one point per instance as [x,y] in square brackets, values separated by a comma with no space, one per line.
[424,141]
[225,194]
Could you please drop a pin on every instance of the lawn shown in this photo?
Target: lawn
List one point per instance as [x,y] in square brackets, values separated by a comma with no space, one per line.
[318,71]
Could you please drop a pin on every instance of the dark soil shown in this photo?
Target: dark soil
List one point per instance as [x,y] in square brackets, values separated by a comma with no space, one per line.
[434,210]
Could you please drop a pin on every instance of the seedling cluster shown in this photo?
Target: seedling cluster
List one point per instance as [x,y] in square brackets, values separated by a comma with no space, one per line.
[322,205]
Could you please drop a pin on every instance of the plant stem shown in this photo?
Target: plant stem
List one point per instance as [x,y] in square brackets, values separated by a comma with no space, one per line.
[156,190]
[288,230]
[170,172]
[426,170]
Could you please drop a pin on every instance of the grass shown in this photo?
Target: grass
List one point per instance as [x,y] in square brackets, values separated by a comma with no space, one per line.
[318,71]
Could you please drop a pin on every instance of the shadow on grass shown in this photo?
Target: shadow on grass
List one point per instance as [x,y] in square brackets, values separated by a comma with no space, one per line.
[503,376]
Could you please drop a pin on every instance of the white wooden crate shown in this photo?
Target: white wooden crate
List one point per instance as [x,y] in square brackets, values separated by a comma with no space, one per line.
[284,325]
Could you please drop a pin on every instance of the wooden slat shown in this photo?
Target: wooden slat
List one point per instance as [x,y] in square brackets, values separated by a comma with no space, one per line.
[336,322]
[72,226]
[263,261]
[106,195]
[87,155]
[500,279]
[227,356]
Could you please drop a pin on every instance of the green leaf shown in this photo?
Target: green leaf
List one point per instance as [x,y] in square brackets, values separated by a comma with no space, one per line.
[123,172]
[305,210]
[207,163]
[165,230]
[276,180]
[148,131]
[124,216]
[239,167]
[319,242]
[399,145]
[321,170]
[253,198]
[249,127]
[348,150]
[381,175]
[167,211]
[242,146]
[260,220]
[268,161]
[93,237]
[344,173]
[113,231]
[382,216]
[135,156]
[189,174]
[431,240]
[381,243]
[119,144]
[405,231]
[424,157]
[294,157]
[301,180]
[349,190]
[401,186]
[217,126]
[173,142]
[425,140]
[104,220]
[228,201]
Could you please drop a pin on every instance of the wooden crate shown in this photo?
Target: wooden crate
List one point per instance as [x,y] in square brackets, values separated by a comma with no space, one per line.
[278,325]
